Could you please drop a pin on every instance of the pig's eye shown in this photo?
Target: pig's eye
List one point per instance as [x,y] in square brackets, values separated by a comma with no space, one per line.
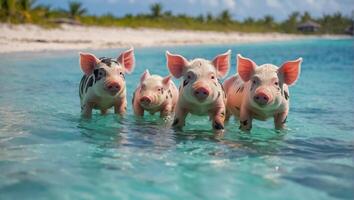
[190,75]
[254,81]
[212,77]
[276,83]
[122,74]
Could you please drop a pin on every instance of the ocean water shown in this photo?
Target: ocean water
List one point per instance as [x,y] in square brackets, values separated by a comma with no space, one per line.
[48,152]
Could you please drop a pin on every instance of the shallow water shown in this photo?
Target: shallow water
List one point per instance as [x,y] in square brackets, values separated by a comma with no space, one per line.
[48,152]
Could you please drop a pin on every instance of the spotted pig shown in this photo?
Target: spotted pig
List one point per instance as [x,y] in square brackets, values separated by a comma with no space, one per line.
[155,94]
[260,92]
[103,84]
[200,92]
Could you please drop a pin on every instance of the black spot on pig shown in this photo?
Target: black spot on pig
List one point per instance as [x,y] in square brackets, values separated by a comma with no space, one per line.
[218,126]
[185,82]
[82,84]
[244,123]
[99,74]
[106,61]
[285,120]
[89,83]
[286,95]
[240,89]
[133,98]
[175,122]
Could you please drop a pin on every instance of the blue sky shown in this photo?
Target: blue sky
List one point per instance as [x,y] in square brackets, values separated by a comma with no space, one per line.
[240,9]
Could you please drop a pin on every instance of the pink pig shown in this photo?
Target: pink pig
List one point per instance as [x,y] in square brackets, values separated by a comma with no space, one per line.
[260,92]
[200,92]
[103,83]
[155,94]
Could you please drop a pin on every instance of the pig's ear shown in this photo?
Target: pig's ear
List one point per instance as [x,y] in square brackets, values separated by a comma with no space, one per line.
[175,64]
[88,62]
[145,75]
[222,63]
[127,59]
[245,67]
[289,72]
[167,80]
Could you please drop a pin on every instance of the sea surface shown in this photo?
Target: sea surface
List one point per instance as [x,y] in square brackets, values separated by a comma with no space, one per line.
[48,152]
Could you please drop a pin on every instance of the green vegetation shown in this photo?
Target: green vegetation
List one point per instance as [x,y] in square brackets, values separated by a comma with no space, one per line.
[27,11]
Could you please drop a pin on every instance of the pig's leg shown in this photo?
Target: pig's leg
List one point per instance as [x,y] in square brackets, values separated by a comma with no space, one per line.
[180,117]
[120,107]
[218,118]
[86,111]
[245,119]
[166,111]
[104,111]
[138,110]
[280,120]
[227,116]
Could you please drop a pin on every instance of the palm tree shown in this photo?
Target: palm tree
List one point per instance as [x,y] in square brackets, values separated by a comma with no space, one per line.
[293,17]
[76,9]
[25,7]
[8,8]
[289,25]
[249,20]
[225,16]
[209,17]
[156,10]
[43,10]
[268,20]
[306,17]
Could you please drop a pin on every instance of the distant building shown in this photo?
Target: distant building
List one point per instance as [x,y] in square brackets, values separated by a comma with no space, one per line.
[308,27]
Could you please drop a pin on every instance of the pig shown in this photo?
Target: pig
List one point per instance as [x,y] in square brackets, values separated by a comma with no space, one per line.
[155,94]
[200,92]
[260,92]
[103,84]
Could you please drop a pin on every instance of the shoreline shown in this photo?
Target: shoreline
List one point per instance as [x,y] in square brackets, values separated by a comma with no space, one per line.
[32,38]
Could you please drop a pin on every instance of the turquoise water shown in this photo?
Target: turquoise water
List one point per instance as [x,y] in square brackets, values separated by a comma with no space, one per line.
[48,152]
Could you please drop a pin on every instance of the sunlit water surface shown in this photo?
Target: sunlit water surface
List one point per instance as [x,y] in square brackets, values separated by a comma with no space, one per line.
[48,152]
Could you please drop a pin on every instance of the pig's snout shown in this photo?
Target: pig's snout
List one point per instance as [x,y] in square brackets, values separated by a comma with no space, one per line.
[262,98]
[113,87]
[201,93]
[145,100]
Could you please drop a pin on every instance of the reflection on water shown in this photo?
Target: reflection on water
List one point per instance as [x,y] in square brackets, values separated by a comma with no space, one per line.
[48,151]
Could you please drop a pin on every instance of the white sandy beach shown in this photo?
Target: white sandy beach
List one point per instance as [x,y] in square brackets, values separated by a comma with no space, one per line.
[17,38]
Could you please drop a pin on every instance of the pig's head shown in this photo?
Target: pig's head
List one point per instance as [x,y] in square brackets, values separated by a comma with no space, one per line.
[200,82]
[153,90]
[109,74]
[267,81]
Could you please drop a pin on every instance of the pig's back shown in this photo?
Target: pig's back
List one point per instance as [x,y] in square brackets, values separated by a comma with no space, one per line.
[235,89]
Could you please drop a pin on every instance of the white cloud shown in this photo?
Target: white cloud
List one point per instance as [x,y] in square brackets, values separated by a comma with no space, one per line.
[274,3]
[230,3]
